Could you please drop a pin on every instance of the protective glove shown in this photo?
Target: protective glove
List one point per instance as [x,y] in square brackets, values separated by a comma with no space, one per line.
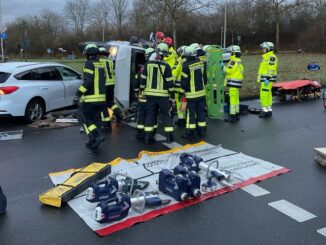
[266,82]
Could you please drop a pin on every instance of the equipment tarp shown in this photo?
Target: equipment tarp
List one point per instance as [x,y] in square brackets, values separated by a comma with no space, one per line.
[245,170]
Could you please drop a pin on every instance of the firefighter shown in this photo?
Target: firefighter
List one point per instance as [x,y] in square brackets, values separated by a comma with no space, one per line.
[193,82]
[141,112]
[233,80]
[176,72]
[201,54]
[172,57]
[92,95]
[157,84]
[109,85]
[159,37]
[267,75]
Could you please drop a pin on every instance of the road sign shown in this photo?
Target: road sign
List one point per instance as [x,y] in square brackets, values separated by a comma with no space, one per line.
[4,35]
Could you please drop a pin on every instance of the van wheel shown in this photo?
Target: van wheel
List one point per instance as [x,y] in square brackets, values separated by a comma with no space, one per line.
[34,111]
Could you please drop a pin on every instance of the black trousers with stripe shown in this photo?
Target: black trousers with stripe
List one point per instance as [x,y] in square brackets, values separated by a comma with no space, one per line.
[91,115]
[154,106]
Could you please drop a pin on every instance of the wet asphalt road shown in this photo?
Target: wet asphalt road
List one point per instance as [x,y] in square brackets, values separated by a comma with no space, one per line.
[286,139]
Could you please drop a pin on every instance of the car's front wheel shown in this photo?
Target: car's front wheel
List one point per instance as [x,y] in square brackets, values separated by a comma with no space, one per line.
[34,111]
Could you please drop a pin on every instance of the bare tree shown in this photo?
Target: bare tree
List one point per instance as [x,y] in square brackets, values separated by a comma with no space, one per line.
[120,11]
[101,11]
[278,7]
[77,12]
[174,8]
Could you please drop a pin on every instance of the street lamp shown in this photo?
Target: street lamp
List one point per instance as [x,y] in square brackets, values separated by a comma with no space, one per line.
[225,19]
[1,31]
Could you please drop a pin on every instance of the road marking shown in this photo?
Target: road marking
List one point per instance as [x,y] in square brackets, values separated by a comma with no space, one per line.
[322,231]
[292,210]
[11,135]
[132,124]
[255,190]
[159,137]
[172,145]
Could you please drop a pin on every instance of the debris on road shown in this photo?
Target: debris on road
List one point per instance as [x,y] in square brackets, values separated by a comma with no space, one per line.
[320,156]
[60,119]
[11,135]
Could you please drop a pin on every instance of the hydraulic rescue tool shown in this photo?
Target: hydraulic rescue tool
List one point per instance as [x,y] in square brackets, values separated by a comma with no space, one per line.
[109,187]
[193,180]
[195,163]
[175,186]
[117,208]
[181,184]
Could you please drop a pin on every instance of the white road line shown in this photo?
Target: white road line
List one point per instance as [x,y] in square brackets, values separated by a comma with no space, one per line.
[322,231]
[172,145]
[255,190]
[292,210]
[159,137]
[132,124]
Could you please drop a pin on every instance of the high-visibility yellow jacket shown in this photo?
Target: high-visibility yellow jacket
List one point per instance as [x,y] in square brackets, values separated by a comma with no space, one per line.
[109,71]
[93,87]
[171,59]
[268,67]
[193,79]
[177,71]
[233,73]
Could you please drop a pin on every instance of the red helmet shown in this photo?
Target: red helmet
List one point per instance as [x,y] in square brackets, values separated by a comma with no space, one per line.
[159,35]
[168,41]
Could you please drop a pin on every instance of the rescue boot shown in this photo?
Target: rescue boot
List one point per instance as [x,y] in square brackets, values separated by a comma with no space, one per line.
[231,119]
[149,137]
[169,137]
[91,140]
[189,134]
[263,114]
[201,131]
[140,134]
[269,113]
[237,116]
[98,140]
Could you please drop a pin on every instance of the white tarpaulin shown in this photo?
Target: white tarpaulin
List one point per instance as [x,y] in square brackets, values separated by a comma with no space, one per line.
[245,170]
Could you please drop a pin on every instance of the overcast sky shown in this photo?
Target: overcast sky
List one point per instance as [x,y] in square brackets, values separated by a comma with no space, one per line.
[12,9]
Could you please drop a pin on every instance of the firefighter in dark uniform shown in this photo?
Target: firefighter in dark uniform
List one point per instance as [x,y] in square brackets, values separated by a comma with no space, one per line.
[110,83]
[157,84]
[91,94]
[141,112]
[193,82]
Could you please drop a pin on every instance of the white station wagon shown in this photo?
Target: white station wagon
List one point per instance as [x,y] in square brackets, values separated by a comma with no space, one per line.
[31,89]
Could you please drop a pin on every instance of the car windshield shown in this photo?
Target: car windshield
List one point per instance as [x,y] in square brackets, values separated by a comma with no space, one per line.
[4,76]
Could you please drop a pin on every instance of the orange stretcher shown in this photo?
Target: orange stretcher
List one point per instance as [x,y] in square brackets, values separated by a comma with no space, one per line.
[297,89]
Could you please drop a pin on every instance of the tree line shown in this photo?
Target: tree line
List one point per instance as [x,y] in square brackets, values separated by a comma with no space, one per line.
[291,24]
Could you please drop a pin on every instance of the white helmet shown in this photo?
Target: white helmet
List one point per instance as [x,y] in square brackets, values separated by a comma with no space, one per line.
[267,45]
[189,51]
[162,49]
[195,46]
[234,49]
[181,49]
[206,47]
